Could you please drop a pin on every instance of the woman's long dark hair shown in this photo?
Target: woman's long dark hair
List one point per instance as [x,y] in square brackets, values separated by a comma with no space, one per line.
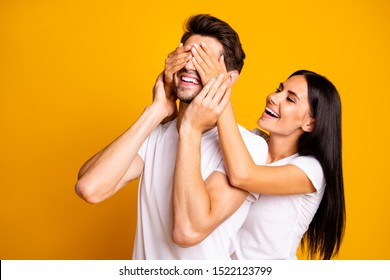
[325,233]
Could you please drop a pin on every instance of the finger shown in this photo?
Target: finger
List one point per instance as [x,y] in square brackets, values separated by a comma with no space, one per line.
[224,102]
[178,60]
[182,48]
[214,66]
[177,64]
[174,51]
[221,99]
[199,59]
[203,55]
[207,55]
[174,66]
[203,64]
[201,67]
[203,93]
[198,68]
[220,91]
[213,89]
[178,57]
[219,95]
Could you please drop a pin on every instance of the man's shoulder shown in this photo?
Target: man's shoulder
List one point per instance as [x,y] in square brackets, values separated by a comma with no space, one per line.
[167,127]
[162,135]
[256,145]
[251,137]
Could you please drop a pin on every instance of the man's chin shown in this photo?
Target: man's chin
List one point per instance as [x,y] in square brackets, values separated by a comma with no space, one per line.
[186,100]
[186,95]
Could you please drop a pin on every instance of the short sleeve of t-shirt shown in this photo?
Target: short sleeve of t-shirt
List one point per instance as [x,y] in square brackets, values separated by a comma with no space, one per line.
[143,148]
[313,170]
[252,197]
[221,167]
[141,151]
[258,149]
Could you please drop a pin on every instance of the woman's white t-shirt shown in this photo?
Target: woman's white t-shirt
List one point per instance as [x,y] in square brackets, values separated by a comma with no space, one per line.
[275,224]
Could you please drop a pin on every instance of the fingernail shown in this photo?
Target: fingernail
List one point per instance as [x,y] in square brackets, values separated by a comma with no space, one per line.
[203,44]
[196,45]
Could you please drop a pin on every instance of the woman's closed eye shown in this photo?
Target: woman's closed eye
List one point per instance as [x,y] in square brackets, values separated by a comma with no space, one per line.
[289,99]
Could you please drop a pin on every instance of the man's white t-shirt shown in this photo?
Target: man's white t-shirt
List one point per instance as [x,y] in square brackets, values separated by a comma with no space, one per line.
[154,222]
[275,224]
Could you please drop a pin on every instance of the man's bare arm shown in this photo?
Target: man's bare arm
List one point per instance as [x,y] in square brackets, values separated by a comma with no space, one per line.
[117,164]
[199,207]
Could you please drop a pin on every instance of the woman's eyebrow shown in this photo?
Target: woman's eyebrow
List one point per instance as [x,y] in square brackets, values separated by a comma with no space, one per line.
[281,88]
[293,93]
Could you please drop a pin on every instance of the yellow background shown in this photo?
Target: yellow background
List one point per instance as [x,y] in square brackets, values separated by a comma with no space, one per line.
[75,74]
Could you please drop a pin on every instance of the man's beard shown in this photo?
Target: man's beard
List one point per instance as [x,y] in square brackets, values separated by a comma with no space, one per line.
[185,97]
[183,93]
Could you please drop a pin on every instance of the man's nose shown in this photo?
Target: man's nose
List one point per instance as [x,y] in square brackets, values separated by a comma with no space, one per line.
[189,65]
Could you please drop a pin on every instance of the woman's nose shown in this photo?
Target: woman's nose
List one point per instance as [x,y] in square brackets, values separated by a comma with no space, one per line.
[272,99]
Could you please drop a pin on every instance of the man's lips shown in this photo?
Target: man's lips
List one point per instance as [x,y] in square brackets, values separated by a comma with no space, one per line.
[189,79]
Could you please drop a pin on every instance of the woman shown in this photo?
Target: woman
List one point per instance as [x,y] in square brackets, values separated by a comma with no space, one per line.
[301,187]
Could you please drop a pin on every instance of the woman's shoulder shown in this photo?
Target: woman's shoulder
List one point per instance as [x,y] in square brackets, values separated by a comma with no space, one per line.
[306,160]
[312,168]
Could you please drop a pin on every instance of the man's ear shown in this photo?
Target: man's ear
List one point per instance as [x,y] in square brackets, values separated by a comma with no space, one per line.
[233,76]
[309,125]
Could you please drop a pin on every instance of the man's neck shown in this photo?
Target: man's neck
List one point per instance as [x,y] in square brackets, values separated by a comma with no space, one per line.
[182,109]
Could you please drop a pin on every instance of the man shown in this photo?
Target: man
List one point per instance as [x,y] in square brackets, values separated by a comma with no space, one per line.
[148,149]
